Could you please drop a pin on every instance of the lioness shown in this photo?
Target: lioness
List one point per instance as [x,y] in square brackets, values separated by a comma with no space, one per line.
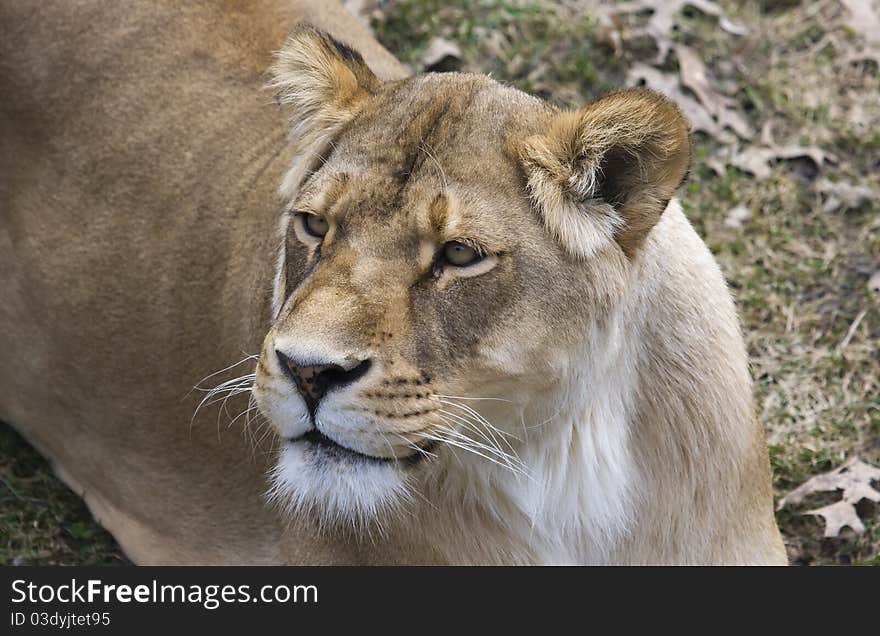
[480,328]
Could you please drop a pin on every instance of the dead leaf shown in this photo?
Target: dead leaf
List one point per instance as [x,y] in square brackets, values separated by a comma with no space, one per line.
[845,196]
[836,516]
[757,160]
[854,479]
[864,19]
[721,108]
[874,282]
[711,112]
[660,25]
[734,28]
[441,55]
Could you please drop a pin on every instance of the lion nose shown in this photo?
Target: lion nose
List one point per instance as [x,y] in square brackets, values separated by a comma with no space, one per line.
[314,381]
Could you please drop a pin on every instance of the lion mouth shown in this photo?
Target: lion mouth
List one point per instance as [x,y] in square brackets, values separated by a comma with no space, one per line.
[331,447]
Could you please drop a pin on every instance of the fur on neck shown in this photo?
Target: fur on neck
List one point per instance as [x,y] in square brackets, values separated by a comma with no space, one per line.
[577,501]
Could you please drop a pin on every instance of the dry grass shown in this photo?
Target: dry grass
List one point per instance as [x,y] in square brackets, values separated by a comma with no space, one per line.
[41,521]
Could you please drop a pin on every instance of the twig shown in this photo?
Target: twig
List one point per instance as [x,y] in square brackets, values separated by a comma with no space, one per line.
[850,332]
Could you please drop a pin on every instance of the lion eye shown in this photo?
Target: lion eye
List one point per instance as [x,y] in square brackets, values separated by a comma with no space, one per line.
[460,255]
[316,225]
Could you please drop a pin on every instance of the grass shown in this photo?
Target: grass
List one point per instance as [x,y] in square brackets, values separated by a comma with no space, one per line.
[558,57]
[799,275]
[41,521]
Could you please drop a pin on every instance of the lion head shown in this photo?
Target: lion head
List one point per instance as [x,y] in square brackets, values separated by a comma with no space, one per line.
[446,244]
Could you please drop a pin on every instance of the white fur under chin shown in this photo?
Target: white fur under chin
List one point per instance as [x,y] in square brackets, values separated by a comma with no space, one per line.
[337,491]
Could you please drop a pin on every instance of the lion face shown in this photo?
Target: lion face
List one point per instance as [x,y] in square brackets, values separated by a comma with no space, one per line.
[418,287]
[415,277]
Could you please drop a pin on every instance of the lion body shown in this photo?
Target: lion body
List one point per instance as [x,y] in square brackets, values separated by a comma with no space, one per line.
[140,169]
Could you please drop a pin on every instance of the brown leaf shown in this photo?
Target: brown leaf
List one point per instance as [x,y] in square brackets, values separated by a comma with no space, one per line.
[864,19]
[854,479]
[757,160]
[874,282]
[662,20]
[721,108]
[734,28]
[711,112]
[842,195]
[838,515]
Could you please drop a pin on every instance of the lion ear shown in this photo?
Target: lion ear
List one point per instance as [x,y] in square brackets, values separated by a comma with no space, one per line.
[607,170]
[320,82]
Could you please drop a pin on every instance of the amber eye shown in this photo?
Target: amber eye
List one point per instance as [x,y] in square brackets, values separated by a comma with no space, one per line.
[315,225]
[460,255]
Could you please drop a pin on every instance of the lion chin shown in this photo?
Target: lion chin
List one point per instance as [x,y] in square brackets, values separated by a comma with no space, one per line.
[337,488]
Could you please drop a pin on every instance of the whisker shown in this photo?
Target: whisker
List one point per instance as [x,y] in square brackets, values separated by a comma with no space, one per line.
[198,385]
[244,414]
[467,423]
[490,429]
[514,463]
[223,392]
[226,394]
[469,440]
[491,444]
[458,397]
[265,428]
[229,385]
[248,419]
[545,422]
[482,419]
[469,449]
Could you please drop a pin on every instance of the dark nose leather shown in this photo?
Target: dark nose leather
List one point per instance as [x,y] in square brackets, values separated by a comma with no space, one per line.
[314,381]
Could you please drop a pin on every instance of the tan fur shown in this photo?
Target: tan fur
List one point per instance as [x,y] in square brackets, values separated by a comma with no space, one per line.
[628,148]
[139,235]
